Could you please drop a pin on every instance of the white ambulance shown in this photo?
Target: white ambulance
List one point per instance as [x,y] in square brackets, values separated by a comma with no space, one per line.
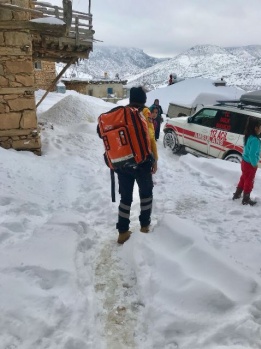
[214,131]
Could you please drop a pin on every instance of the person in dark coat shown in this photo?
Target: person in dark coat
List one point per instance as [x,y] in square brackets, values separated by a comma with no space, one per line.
[141,173]
[171,80]
[159,118]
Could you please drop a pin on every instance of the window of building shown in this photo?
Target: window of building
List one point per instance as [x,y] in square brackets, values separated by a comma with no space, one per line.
[38,65]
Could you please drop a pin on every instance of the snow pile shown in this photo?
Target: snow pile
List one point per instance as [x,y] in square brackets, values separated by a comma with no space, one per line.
[48,20]
[75,110]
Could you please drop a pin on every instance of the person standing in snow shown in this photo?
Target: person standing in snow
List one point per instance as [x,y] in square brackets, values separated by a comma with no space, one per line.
[251,157]
[159,118]
[171,80]
[141,173]
[153,116]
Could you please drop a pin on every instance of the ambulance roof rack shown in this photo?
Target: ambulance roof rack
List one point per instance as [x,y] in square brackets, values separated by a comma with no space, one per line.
[249,101]
[239,105]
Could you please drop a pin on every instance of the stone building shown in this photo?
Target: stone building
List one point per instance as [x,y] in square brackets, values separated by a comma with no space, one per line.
[107,89]
[44,75]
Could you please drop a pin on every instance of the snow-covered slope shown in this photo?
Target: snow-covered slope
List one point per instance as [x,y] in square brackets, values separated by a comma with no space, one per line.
[112,60]
[240,66]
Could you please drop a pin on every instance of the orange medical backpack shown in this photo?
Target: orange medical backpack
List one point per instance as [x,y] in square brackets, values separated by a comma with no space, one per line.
[125,135]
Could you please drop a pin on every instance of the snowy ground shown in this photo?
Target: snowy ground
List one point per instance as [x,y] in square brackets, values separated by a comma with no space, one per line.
[193,282]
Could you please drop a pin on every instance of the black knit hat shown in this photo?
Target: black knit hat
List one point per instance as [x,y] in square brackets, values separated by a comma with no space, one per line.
[137,95]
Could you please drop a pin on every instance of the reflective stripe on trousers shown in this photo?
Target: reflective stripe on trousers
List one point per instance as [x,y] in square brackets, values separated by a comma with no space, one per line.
[127,177]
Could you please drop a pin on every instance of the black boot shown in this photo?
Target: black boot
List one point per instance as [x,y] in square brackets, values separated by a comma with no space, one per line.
[247,201]
[237,194]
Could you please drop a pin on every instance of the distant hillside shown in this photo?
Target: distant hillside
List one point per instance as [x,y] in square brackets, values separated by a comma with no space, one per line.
[113,60]
[240,66]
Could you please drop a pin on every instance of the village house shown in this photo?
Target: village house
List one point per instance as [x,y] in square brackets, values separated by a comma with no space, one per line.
[108,89]
[44,75]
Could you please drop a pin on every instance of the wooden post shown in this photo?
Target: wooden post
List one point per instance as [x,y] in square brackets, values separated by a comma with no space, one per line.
[67,15]
[56,11]
[77,30]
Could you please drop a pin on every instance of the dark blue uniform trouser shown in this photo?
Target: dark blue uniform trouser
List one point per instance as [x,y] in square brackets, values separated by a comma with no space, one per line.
[127,176]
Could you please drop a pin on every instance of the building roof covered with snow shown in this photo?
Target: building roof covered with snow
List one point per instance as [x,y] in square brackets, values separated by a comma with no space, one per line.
[192,92]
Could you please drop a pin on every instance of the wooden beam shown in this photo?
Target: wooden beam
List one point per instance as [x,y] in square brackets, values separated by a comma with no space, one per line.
[41,53]
[55,80]
[59,56]
[64,60]
[85,42]
[85,17]
[54,12]
[19,9]
[46,4]
[46,12]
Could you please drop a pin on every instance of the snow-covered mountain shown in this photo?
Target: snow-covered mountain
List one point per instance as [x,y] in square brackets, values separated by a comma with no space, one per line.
[113,60]
[240,66]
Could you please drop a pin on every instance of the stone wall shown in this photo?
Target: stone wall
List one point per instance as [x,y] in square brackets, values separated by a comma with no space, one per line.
[95,89]
[80,87]
[45,76]
[18,122]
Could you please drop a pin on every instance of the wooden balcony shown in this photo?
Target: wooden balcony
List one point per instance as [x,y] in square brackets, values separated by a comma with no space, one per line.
[59,34]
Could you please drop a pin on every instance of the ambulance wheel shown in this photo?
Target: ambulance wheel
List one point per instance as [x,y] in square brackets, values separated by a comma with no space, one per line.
[171,141]
[234,157]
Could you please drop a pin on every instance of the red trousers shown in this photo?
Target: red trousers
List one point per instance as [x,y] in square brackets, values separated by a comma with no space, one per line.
[246,181]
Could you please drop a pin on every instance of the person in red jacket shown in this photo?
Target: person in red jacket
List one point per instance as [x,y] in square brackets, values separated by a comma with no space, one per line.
[251,157]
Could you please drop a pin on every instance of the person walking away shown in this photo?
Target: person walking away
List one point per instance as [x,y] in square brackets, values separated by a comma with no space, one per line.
[141,173]
[251,157]
[159,118]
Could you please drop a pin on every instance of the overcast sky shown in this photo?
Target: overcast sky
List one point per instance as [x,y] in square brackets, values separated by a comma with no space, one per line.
[165,28]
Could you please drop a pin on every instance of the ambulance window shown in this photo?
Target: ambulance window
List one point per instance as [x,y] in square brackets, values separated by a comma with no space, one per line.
[238,123]
[231,122]
[205,117]
[224,120]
